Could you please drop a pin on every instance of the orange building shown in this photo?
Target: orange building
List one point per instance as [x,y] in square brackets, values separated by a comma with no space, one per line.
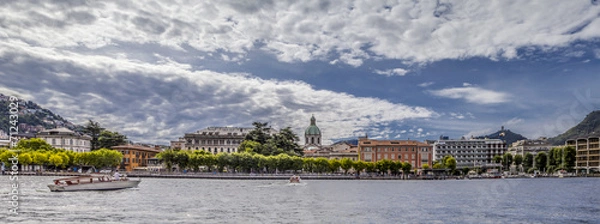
[414,152]
[135,156]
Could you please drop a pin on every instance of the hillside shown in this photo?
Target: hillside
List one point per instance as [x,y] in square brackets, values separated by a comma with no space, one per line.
[589,125]
[506,135]
[32,117]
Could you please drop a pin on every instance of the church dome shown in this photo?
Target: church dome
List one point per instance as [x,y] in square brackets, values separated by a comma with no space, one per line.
[312,129]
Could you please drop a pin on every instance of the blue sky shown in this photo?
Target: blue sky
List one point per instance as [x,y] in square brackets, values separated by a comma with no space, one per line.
[155,70]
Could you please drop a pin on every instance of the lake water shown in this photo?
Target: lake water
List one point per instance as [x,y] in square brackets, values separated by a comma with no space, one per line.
[567,200]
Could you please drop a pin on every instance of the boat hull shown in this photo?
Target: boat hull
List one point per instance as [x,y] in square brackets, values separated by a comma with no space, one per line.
[102,186]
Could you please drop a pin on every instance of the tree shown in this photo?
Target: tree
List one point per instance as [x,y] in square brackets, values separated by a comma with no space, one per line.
[346,164]
[528,161]
[359,166]
[570,154]
[260,133]
[287,140]
[425,166]
[34,144]
[451,164]
[108,139]
[93,129]
[518,160]
[321,165]
[507,160]
[497,159]
[334,165]
[55,160]
[541,161]
[406,168]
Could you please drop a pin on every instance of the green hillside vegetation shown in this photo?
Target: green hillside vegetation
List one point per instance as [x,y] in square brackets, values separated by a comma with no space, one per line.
[589,126]
[506,135]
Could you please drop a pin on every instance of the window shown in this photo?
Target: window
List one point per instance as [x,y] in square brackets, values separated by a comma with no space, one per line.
[399,156]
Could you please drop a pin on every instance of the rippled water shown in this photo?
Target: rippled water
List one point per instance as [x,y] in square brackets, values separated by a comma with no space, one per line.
[568,200]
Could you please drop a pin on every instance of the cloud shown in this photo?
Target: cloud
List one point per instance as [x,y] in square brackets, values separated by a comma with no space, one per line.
[158,102]
[391,72]
[513,122]
[426,84]
[473,94]
[349,32]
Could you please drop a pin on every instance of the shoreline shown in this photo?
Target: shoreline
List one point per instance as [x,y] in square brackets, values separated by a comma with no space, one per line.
[277,176]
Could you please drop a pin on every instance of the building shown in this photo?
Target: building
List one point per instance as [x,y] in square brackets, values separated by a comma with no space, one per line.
[66,139]
[216,139]
[587,155]
[178,144]
[136,156]
[523,147]
[414,152]
[340,150]
[470,153]
[312,135]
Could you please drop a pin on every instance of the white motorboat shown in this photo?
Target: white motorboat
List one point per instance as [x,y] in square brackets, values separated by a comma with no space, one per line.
[91,183]
[295,179]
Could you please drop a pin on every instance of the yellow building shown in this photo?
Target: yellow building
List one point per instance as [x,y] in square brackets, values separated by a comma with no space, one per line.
[135,156]
[588,153]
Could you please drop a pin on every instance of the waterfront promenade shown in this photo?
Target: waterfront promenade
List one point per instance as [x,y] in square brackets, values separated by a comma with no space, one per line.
[286,176]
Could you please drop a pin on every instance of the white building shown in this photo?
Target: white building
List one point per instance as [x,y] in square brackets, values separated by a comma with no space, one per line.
[66,139]
[215,139]
[523,147]
[470,153]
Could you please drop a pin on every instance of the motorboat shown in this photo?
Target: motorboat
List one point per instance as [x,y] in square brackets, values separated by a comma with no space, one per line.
[295,179]
[91,183]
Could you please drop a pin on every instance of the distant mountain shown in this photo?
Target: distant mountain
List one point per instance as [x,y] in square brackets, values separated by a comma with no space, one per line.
[32,117]
[506,135]
[589,126]
[349,141]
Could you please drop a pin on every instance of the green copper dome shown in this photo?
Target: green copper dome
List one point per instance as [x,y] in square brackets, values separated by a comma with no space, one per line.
[312,129]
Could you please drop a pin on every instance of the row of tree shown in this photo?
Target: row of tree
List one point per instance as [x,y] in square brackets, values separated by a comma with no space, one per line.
[36,151]
[249,162]
[558,158]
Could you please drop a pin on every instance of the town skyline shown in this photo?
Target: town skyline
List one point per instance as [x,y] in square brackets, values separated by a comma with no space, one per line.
[390,70]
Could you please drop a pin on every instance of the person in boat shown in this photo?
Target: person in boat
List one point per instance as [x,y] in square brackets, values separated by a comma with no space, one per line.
[117,175]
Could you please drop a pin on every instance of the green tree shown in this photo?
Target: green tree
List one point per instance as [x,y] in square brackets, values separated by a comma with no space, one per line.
[359,166]
[518,160]
[346,164]
[497,159]
[451,164]
[93,129]
[55,160]
[569,158]
[507,159]
[260,133]
[108,139]
[541,160]
[25,159]
[321,165]
[334,165]
[406,167]
[425,166]
[528,161]
[34,144]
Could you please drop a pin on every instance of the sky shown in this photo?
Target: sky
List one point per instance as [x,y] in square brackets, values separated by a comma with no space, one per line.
[154,70]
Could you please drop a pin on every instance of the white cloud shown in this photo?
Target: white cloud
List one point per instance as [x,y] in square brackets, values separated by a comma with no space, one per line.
[473,94]
[466,84]
[349,31]
[391,72]
[142,99]
[513,122]
[426,84]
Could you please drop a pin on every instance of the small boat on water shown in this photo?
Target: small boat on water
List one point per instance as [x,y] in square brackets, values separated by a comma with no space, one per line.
[295,179]
[91,183]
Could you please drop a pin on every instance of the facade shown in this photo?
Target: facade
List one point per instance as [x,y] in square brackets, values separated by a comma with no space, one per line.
[178,144]
[414,152]
[339,151]
[312,135]
[470,153]
[136,156]
[66,139]
[587,153]
[523,147]
[216,139]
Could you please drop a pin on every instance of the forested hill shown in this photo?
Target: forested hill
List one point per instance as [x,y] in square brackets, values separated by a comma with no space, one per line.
[32,117]
[589,126]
